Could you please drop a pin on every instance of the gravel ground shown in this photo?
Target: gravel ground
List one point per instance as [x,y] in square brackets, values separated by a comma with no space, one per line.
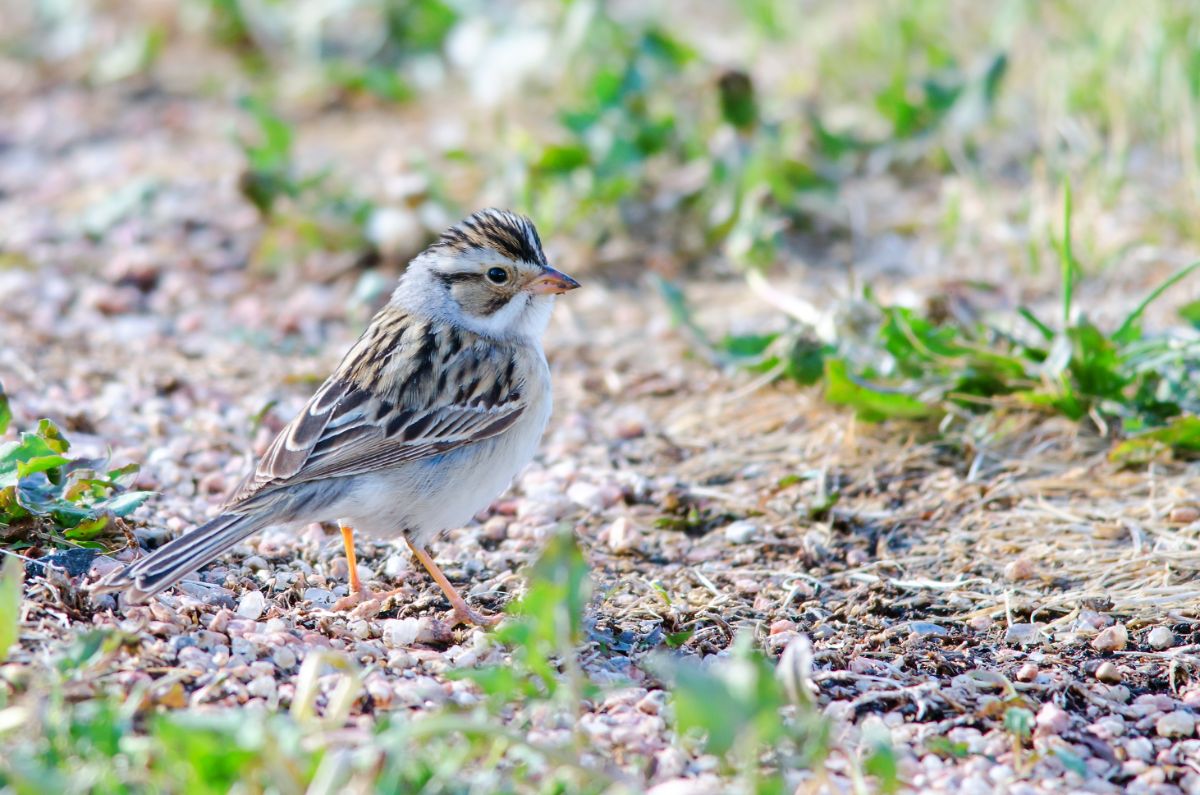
[1007,559]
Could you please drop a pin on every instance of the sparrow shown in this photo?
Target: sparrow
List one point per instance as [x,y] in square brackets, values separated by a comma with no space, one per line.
[428,418]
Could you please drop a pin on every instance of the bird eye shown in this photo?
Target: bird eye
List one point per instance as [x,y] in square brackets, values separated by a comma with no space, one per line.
[497,275]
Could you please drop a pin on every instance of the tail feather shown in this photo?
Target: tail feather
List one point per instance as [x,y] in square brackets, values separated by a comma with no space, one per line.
[170,563]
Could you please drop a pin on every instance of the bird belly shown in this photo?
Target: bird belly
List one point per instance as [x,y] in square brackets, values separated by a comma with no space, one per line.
[421,499]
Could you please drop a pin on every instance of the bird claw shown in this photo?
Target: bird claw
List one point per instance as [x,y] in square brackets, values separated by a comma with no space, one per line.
[466,615]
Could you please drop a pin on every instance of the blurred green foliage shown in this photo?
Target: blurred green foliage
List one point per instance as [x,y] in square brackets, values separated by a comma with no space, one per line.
[43,489]
[759,718]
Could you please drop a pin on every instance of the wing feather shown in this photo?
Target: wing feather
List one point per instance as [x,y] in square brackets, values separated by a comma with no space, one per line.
[378,411]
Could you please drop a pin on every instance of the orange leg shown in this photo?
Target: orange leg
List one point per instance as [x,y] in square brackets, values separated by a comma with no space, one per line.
[359,596]
[462,611]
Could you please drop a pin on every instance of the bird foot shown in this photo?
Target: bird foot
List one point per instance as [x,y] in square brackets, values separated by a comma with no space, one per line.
[462,614]
[364,601]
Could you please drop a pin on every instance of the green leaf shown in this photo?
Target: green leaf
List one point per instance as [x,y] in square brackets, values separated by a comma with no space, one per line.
[806,363]
[871,403]
[994,76]
[662,45]
[676,639]
[882,764]
[738,105]
[1181,433]
[123,473]
[747,345]
[734,701]
[16,455]
[11,576]
[1072,762]
[1191,313]
[49,433]
[422,26]
[562,159]
[124,504]
[947,749]
[42,463]
[1018,721]
[1130,329]
[87,529]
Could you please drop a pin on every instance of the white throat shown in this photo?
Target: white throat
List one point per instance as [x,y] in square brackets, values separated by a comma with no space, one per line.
[525,317]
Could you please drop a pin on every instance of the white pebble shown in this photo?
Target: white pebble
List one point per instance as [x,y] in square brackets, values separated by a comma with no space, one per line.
[1023,634]
[399,632]
[252,605]
[1176,724]
[255,562]
[1113,638]
[284,657]
[1108,673]
[1140,748]
[622,535]
[262,686]
[1053,719]
[1160,638]
[741,532]
[320,597]
[589,496]
[396,565]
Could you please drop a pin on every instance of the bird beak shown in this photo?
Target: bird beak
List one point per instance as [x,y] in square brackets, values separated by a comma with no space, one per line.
[552,282]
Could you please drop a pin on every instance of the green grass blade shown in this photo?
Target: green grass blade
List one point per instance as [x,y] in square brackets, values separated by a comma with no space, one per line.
[1066,257]
[1127,332]
[1034,321]
[5,411]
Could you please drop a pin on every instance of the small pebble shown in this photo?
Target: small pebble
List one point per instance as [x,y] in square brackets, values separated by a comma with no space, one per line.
[255,563]
[252,605]
[1019,569]
[622,535]
[1112,638]
[434,632]
[1027,672]
[220,620]
[981,623]
[782,625]
[741,532]
[495,529]
[1140,748]
[1184,514]
[1023,634]
[1160,638]
[927,628]
[318,596]
[1108,673]
[1052,719]
[593,498]
[262,687]
[1176,724]
[284,658]
[400,632]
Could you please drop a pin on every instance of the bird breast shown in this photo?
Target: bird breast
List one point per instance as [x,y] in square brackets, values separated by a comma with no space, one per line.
[420,499]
